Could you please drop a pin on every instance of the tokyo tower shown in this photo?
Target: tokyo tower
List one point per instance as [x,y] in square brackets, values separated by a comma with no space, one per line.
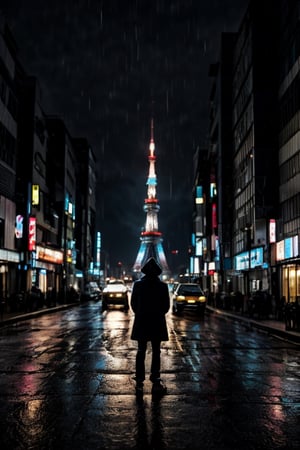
[151,237]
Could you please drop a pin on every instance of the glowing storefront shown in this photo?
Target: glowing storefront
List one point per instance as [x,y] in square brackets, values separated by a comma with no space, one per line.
[288,261]
[47,267]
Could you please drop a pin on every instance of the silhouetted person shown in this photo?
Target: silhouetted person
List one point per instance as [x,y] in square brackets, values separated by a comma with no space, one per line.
[150,302]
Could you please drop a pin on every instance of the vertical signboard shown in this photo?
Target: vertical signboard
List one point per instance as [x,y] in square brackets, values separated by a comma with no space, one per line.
[19,226]
[35,195]
[214,216]
[32,234]
[272,231]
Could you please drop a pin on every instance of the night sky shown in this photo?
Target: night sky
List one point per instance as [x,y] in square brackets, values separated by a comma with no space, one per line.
[106,67]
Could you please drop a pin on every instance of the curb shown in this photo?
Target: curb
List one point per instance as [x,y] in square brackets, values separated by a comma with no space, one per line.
[33,314]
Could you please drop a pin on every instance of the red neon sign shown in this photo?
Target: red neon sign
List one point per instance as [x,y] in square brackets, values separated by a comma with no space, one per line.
[32,234]
[214,215]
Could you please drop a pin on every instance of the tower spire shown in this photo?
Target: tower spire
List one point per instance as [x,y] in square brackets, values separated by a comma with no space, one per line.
[151,237]
[152,131]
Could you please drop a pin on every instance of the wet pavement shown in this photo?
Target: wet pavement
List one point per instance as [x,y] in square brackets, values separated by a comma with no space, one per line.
[270,326]
[67,382]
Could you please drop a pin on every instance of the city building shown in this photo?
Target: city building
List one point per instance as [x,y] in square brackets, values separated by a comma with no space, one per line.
[87,250]
[286,229]
[62,168]
[255,150]
[10,257]
[39,241]
[48,238]
[253,156]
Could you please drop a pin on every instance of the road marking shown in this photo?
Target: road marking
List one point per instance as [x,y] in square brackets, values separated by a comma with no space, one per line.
[178,345]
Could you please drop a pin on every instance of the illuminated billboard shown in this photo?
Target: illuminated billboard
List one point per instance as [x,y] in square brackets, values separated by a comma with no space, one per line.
[287,248]
[49,255]
[256,256]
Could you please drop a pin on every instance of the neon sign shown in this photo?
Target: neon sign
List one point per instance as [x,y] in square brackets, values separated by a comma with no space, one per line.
[32,234]
[19,226]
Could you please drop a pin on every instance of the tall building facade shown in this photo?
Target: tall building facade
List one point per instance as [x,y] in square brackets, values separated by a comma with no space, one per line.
[257,161]
[213,185]
[286,249]
[10,257]
[254,118]
[151,237]
[85,226]
[39,241]
[43,169]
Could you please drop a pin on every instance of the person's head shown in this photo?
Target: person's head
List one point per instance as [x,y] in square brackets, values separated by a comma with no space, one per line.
[151,267]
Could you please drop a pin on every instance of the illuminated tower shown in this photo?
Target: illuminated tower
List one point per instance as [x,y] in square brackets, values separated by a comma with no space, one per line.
[151,237]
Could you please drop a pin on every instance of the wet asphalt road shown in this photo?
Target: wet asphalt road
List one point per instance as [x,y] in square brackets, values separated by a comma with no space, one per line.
[66,383]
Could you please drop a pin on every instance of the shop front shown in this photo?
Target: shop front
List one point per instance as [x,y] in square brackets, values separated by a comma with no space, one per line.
[290,282]
[9,269]
[287,262]
[252,269]
[47,271]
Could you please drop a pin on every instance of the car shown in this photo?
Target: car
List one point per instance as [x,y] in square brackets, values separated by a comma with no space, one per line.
[115,293]
[91,291]
[188,296]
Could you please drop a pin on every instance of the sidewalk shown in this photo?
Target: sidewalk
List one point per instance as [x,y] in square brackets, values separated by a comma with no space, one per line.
[7,318]
[270,326]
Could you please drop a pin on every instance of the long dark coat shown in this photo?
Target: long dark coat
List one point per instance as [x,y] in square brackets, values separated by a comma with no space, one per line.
[150,301]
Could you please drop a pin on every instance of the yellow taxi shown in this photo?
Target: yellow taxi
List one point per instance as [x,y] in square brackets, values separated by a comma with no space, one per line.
[188,296]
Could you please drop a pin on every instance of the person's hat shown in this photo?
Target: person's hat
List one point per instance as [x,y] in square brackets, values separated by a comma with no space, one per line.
[151,267]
